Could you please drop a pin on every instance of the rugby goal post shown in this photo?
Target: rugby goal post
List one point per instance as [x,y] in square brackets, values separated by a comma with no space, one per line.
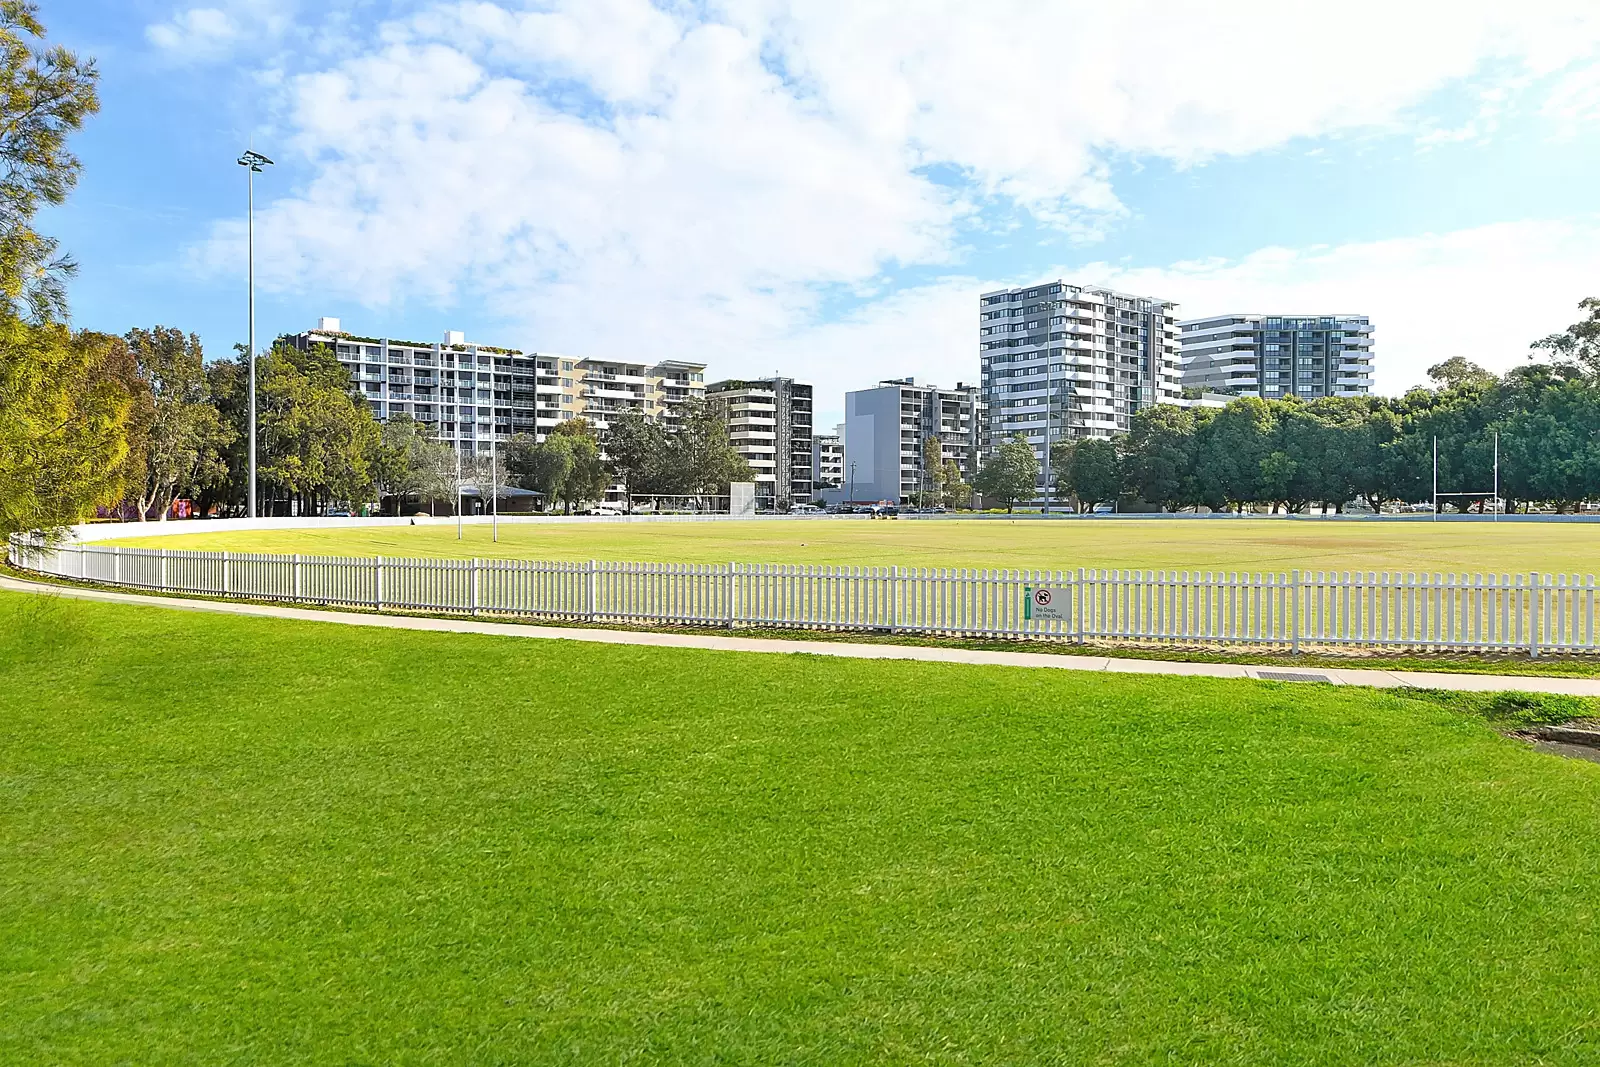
[1493,494]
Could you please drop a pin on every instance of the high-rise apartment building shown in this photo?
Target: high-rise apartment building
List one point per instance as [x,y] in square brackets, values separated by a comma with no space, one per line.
[1278,355]
[769,424]
[465,391]
[885,431]
[1065,361]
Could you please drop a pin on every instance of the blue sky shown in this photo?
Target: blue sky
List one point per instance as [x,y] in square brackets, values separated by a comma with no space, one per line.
[823,188]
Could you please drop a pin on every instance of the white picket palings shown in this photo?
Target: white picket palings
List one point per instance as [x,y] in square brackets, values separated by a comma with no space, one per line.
[1485,612]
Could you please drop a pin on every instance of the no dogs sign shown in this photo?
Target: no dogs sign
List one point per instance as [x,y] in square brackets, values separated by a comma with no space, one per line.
[1045,603]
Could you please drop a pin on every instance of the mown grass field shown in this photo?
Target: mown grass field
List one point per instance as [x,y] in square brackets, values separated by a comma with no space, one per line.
[1165,544]
[226,839]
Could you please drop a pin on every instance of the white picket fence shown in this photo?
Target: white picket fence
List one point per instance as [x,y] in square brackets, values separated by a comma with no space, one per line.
[1527,612]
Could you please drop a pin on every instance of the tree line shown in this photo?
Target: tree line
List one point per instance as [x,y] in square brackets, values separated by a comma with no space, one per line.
[691,456]
[1290,454]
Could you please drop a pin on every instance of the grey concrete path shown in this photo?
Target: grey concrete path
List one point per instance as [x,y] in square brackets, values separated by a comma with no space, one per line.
[1483,683]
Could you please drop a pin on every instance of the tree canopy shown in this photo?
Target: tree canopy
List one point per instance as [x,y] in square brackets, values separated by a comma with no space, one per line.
[1012,474]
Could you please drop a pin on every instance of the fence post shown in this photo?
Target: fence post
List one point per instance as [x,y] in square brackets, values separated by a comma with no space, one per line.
[593,599]
[894,599]
[163,570]
[1535,609]
[474,603]
[1294,613]
[377,583]
[732,590]
[226,583]
[116,564]
[1077,607]
[294,576]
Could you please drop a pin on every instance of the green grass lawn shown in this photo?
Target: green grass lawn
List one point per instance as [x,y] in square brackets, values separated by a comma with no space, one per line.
[226,839]
[1164,544]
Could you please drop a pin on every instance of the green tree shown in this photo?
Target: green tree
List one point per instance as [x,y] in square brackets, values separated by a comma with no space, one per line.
[953,489]
[1229,451]
[1159,455]
[1327,441]
[1011,474]
[1458,372]
[227,387]
[407,462]
[638,451]
[318,436]
[66,403]
[542,467]
[566,467]
[701,460]
[45,96]
[185,436]
[1093,471]
[589,478]
[930,491]
[1276,483]
[1579,344]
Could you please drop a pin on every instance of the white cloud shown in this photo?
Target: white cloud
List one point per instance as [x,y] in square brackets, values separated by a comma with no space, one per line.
[200,34]
[621,177]
[1574,101]
[1029,97]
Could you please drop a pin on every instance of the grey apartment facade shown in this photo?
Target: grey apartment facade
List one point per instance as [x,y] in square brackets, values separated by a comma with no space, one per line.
[464,392]
[1062,361]
[827,461]
[886,426]
[1308,356]
[769,424]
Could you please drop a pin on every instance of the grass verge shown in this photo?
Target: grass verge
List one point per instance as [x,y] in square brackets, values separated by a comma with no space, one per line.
[227,838]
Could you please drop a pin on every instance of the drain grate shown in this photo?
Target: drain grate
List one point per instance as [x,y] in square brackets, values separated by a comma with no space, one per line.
[1291,676]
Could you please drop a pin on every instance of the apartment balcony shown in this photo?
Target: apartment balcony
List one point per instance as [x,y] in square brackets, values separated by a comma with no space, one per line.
[613,393]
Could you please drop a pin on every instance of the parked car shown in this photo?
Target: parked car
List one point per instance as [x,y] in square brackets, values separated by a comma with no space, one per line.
[805,509]
[337,513]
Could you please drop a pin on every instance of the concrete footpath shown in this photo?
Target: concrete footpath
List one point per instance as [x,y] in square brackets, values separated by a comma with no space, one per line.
[1483,683]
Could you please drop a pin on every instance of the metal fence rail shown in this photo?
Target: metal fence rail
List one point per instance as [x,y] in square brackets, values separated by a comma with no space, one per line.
[1495,612]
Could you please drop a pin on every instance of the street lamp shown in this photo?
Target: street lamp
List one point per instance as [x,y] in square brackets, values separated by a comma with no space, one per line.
[254,163]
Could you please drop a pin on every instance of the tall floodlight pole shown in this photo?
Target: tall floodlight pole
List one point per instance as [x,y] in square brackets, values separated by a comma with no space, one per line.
[460,496]
[852,482]
[254,163]
[494,475]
